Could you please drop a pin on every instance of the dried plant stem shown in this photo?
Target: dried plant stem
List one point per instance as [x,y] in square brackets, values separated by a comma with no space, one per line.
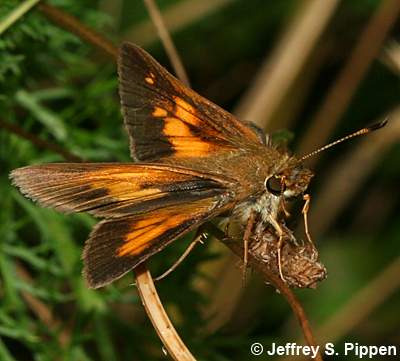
[343,89]
[16,14]
[284,65]
[162,324]
[166,40]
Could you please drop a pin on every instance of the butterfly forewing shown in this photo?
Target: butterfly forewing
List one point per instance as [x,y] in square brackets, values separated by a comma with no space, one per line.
[164,118]
[115,189]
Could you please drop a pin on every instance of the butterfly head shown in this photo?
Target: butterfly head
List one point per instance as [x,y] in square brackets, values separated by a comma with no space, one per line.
[289,182]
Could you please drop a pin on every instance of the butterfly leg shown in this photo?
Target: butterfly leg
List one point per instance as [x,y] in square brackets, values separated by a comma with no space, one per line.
[199,238]
[279,229]
[305,210]
[285,211]
[247,234]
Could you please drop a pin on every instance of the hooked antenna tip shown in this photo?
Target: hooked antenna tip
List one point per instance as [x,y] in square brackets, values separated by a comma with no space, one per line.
[378,125]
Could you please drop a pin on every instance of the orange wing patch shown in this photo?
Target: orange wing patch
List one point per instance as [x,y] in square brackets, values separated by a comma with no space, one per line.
[159,112]
[174,127]
[186,112]
[187,148]
[179,134]
[177,128]
[145,231]
[132,182]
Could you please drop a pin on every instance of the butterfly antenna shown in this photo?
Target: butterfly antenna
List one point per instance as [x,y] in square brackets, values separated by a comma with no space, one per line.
[362,131]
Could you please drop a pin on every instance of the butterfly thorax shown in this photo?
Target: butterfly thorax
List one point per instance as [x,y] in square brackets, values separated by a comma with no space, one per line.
[268,203]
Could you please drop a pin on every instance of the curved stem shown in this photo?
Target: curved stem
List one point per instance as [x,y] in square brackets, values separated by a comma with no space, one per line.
[159,318]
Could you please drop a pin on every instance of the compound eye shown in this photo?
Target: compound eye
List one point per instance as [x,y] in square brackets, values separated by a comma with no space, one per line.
[275,185]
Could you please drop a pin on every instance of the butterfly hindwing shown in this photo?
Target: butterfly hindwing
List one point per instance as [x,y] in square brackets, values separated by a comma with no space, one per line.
[115,189]
[164,118]
[116,246]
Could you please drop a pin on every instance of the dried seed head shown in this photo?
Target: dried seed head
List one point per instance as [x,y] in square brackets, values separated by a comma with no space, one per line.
[300,263]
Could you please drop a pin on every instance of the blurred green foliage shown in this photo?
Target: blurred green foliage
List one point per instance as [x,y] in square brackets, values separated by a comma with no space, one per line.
[62,90]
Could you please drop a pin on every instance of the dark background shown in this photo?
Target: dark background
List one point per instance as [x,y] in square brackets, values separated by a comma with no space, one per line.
[57,87]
